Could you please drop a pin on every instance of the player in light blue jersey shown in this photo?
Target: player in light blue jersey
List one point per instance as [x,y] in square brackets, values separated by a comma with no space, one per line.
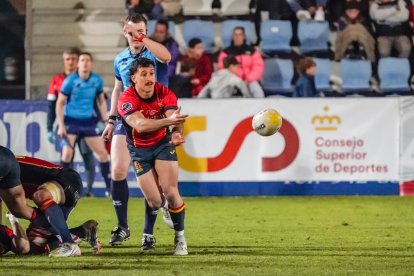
[135,31]
[77,117]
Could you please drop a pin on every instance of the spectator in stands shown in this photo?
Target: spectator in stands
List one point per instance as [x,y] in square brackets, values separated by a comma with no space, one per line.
[202,62]
[150,8]
[305,85]
[273,10]
[181,84]
[161,35]
[391,27]
[70,61]
[336,9]
[225,83]
[251,62]
[308,9]
[354,38]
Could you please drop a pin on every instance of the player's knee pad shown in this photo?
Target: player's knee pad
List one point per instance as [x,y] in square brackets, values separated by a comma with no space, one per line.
[54,190]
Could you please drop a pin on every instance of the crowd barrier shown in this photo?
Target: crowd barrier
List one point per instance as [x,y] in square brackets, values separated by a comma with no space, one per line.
[339,146]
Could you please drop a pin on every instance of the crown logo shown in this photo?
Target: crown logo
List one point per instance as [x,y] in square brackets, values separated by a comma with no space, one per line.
[326,122]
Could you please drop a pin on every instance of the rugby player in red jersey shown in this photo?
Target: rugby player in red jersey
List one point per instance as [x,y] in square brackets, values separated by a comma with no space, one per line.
[38,240]
[154,127]
[55,191]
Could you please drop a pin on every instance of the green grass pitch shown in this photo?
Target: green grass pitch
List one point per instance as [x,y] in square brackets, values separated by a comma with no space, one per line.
[250,236]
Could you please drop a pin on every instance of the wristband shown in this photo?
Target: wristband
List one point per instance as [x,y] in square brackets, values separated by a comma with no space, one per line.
[112,117]
[141,38]
[111,123]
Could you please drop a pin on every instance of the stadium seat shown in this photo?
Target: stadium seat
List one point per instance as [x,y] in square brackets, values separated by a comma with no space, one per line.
[394,74]
[151,27]
[277,77]
[323,74]
[276,36]
[313,36]
[355,75]
[201,29]
[227,31]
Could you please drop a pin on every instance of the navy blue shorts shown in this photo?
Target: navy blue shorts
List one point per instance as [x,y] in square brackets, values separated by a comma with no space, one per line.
[144,158]
[9,169]
[119,128]
[82,128]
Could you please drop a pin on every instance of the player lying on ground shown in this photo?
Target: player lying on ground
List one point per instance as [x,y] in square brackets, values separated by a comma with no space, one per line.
[54,190]
[38,240]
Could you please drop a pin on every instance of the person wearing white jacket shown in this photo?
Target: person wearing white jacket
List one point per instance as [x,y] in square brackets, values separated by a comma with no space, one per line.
[225,83]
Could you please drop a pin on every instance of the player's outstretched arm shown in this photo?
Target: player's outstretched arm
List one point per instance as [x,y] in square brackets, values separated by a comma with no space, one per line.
[143,125]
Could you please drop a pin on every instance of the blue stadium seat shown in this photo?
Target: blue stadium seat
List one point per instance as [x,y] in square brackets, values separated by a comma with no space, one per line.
[227,31]
[323,74]
[313,36]
[276,36]
[277,77]
[151,27]
[355,75]
[394,74]
[201,29]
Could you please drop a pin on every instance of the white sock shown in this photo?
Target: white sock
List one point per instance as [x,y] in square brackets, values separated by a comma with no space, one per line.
[179,235]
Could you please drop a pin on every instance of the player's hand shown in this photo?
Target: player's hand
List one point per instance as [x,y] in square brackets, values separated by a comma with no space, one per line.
[108,132]
[177,118]
[177,138]
[62,131]
[129,29]
[51,136]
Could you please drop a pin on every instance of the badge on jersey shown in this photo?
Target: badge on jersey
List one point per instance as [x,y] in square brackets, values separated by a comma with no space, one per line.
[126,107]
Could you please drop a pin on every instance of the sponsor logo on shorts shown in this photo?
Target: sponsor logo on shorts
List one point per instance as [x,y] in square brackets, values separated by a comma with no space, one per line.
[172,151]
[138,167]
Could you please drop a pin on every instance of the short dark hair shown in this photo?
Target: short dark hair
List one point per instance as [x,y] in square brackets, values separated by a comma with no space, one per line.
[241,28]
[139,63]
[86,54]
[230,60]
[304,64]
[135,18]
[71,51]
[194,41]
[163,22]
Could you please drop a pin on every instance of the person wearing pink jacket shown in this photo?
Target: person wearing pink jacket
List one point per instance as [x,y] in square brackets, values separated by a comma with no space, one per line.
[251,63]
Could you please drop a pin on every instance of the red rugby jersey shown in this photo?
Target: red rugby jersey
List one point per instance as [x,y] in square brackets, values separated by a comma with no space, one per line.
[6,237]
[152,108]
[54,86]
[34,172]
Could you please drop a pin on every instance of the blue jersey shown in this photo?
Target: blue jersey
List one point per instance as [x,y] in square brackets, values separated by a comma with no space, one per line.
[81,95]
[124,60]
